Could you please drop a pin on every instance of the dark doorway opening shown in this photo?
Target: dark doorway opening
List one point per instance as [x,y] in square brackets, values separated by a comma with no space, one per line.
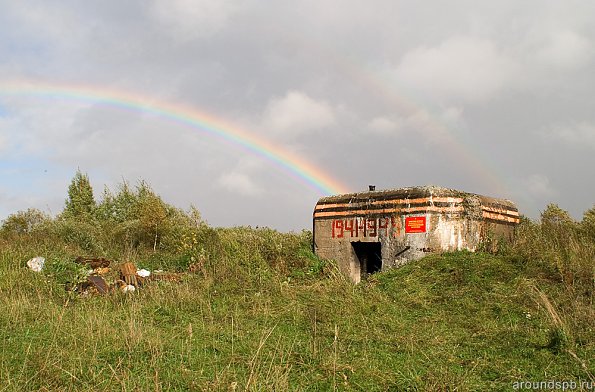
[369,255]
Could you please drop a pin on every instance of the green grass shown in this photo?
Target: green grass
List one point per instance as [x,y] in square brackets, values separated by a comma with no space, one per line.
[448,322]
[259,311]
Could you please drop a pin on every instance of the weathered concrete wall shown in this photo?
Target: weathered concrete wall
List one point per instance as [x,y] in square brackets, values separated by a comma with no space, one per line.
[408,223]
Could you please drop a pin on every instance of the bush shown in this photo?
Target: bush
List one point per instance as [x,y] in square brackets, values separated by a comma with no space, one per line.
[562,247]
[66,272]
[79,235]
[588,224]
[24,222]
[138,218]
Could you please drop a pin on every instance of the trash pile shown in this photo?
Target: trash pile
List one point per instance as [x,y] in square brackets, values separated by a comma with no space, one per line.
[104,276]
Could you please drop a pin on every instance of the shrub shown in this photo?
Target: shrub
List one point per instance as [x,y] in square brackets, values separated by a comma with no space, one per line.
[66,272]
[24,222]
[79,235]
[135,219]
[560,246]
[588,224]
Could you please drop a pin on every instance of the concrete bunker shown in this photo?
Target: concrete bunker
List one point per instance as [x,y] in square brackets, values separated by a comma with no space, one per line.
[372,231]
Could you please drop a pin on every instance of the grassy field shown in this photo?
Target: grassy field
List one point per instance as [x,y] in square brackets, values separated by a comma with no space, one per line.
[254,309]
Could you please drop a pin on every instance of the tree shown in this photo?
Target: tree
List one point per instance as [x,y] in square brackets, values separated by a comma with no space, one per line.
[151,212]
[588,222]
[554,216]
[80,202]
[24,221]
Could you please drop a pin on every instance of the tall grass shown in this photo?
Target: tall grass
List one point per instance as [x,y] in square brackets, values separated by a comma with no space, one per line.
[560,257]
[255,310]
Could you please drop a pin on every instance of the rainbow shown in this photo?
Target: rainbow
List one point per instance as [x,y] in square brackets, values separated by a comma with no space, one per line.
[280,157]
[462,151]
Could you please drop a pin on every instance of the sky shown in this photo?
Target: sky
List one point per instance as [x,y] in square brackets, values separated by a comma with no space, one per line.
[253,110]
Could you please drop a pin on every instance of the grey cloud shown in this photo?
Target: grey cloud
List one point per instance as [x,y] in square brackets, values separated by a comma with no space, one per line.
[187,19]
[567,49]
[460,67]
[460,94]
[297,113]
[579,135]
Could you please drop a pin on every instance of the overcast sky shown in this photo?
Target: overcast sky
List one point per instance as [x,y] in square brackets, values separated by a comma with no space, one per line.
[495,98]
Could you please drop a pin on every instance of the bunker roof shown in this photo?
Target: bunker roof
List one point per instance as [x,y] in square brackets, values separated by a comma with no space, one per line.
[415,192]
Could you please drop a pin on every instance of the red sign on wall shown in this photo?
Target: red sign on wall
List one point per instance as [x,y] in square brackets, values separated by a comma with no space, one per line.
[415,224]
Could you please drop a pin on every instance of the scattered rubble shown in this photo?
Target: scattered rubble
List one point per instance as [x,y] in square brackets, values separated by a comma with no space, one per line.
[129,278]
[36,264]
[99,283]
[128,274]
[105,276]
[93,263]
[101,271]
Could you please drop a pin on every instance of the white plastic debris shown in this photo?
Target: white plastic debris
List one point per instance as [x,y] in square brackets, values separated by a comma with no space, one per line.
[36,264]
[143,273]
[128,288]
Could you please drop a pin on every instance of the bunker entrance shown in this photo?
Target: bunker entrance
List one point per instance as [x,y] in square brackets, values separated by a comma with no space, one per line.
[369,256]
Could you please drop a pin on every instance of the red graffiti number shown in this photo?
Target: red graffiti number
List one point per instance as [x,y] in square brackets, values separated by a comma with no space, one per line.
[366,227]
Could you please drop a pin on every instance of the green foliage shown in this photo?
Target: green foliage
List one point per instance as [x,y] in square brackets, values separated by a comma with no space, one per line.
[79,235]
[558,341]
[80,203]
[464,321]
[555,216]
[139,218]
[588,223]
[66,272]
[560,245]
[257,310]
[119,207]
[24,222]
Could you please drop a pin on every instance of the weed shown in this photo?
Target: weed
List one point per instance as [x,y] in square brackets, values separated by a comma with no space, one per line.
[261,312]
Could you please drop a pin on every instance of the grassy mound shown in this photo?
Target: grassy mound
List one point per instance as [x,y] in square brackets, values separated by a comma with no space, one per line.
[455,321]
[255,310]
